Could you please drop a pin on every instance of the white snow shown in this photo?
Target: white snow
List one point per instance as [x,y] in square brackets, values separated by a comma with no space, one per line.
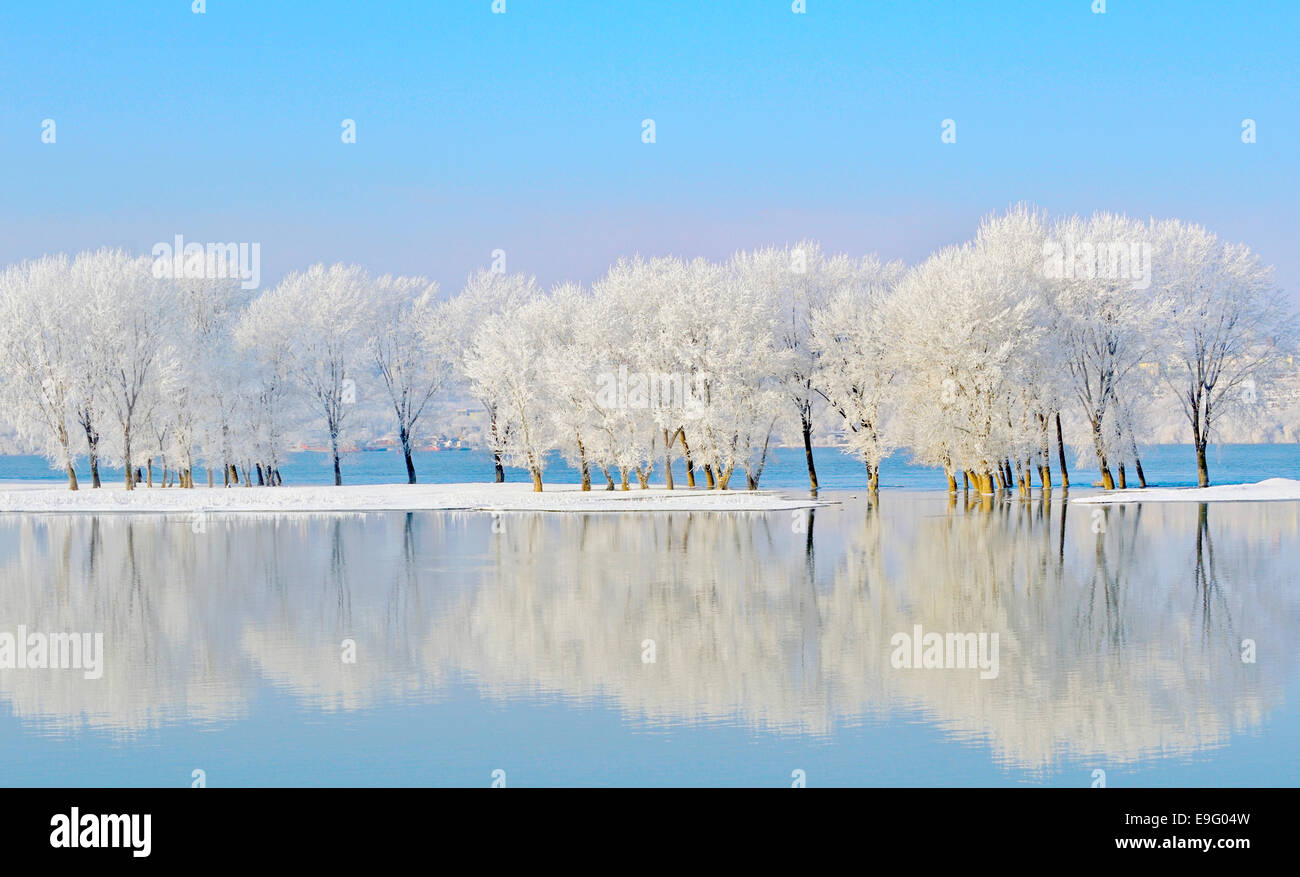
[1270,490]
[51,497]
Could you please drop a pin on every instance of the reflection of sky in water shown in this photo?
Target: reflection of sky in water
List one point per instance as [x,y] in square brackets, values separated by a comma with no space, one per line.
[522,650]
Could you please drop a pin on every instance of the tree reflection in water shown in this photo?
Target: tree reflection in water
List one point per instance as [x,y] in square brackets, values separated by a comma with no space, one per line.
[1115,643]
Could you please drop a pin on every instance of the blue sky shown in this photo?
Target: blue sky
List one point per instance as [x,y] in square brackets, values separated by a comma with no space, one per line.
[522,131]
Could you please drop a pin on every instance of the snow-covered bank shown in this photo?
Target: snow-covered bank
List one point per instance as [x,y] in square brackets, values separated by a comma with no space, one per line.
[1270,490]
[47,497]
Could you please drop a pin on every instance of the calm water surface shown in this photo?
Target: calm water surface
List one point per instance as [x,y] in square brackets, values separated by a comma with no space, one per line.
[1165,465]
[520,647]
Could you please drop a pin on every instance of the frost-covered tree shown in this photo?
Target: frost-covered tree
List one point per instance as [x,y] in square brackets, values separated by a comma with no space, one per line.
[662,317]
[740,363]
[208,310]
[504,363]
[486,294]
[798,281]
[1010,247]
[132,318]
[258,393]
[1103,321]
[38,356]
[86,367]
[961,362]
[1228,326]
[571,377]
[852,342]
[320,316]
[641,401]
[401,313]
[937,337]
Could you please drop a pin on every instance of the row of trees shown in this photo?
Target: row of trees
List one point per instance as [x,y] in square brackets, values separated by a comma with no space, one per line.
[969,360]
[103,358]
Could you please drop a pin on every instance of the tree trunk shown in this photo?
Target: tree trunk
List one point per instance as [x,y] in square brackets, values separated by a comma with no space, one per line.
[643,477]
[622,474]
[126,459]
[757,471]
[1107,480]
[1142,476]
[260,481]
[609,481]
[92,449]
[952,482]
[708,476]
[724,478]
[668,461]
[148,467]
[537,479]
[405,435]
[334,449]
[808,452]
[67,458]
[209,468]
[1202,467]
[1044,456]
[1060,453]
[1123,478]
[690,464]
[873,477]
[586,469]
[496,445]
